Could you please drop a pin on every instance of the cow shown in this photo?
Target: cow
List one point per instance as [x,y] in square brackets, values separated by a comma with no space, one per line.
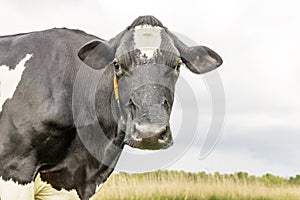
[133,98]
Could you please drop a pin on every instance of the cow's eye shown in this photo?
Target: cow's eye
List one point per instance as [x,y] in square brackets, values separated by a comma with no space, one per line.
[118,69]
[116,65]
[178,65]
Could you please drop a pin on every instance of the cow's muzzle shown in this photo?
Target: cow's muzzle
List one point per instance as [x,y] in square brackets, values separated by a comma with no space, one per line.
[150,136]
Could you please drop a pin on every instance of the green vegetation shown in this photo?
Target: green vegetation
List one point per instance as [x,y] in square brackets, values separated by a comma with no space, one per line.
[174,185]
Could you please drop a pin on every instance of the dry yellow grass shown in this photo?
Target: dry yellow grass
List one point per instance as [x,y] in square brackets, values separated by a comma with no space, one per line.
[181,186]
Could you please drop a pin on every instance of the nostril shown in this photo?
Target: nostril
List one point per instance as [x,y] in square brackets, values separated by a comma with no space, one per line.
[163,137]
[166,105]
[165,102]
[131,104]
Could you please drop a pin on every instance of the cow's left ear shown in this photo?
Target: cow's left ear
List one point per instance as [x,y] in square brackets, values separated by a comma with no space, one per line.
[96,54]
[200,59]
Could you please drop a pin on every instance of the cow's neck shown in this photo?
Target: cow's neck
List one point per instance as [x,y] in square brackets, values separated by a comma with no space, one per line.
[104,104]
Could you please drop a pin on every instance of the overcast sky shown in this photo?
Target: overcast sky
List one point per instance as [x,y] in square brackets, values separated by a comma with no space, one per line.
[259,43]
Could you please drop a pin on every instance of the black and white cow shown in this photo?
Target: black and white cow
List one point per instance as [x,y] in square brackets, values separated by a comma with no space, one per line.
[38,133]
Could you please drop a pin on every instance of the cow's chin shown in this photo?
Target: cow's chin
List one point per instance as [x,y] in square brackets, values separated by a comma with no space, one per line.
[146,145]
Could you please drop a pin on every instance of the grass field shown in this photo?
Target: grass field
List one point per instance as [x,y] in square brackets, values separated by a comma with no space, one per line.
[181,185]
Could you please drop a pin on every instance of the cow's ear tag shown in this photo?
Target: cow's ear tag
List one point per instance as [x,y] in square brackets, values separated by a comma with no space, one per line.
[116,89]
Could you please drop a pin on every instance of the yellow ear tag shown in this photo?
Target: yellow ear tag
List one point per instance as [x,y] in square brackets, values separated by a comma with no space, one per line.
[116,89]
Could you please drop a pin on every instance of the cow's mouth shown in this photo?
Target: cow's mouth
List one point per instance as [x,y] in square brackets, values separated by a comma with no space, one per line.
[146,146]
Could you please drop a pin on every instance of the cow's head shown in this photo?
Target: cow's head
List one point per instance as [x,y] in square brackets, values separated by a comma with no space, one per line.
[146,59]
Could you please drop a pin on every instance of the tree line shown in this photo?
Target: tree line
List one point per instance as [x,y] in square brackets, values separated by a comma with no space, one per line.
[267,179]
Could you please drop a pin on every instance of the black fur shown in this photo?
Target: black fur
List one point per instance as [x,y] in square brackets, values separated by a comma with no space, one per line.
[148,19]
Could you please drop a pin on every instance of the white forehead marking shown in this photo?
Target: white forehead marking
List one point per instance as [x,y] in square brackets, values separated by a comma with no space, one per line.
[147,39]
[9,79]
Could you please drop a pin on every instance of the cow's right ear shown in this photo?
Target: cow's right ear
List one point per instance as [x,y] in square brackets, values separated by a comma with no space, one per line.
[96,54]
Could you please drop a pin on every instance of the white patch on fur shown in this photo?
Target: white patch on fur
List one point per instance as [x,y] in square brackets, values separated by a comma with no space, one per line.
[9,79]
[43,190]
[10,190]
[147,39]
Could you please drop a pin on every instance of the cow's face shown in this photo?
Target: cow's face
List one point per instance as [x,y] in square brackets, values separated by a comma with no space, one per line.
[146,59]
